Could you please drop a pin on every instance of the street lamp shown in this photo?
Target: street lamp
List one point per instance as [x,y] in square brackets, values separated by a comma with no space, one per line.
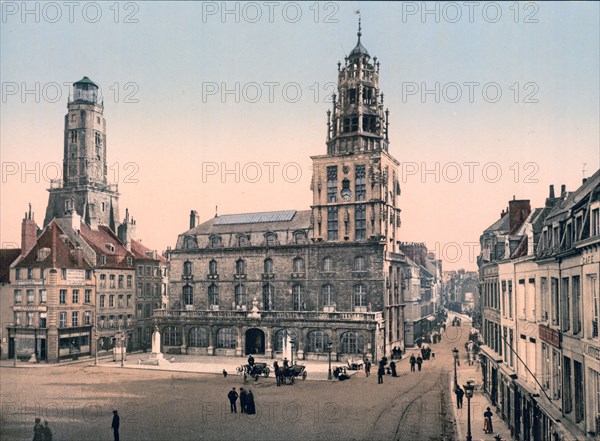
[96,347]
[329,347]
[469,387]
[455,354]
[292,341]
[122,349]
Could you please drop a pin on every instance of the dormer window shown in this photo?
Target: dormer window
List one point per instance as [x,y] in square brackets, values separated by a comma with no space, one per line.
[110,247]
[190,243]
[242,240]
[270,239]
[299,237]
[215,240]
[129,261]
[102,259]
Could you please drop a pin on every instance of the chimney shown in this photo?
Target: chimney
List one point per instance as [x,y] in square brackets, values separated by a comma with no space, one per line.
[193,219]
[28,232]
[518,211]
[126,231]
[551,195]
[563,190]
[74,220]
[584,180]
[77,257]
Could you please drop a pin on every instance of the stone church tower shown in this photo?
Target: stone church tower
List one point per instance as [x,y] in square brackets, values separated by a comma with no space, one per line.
[84,187]
[356,184]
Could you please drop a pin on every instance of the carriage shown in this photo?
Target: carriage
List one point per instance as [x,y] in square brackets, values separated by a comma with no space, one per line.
[254,371]
[291,373]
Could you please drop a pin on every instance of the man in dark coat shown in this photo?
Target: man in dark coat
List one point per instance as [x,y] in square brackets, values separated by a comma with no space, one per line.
[277,370]
[233,396]
[286,363]
[419,362]
[250,406]
[459,397]
[116,423]
[38,430]
[47,432]
[380,373]
[243,400]
[367,368]
[413,360]
[250,360]
[393,368]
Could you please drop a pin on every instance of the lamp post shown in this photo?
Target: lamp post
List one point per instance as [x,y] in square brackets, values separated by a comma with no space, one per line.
[122,349]
[455,354]
[469,387]
[292,341]
[329,347]
[96,347]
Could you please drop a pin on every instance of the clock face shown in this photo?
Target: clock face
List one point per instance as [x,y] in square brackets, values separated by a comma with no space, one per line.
[346,194]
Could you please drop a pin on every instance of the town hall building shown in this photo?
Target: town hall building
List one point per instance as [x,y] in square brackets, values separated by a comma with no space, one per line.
[328,278]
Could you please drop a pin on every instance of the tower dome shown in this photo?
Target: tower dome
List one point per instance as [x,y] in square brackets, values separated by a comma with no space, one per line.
[359,49]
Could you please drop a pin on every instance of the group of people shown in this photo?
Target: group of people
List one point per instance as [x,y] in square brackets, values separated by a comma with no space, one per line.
[396,353]
[246,401]
[418,361]
[383,369]
[41,432]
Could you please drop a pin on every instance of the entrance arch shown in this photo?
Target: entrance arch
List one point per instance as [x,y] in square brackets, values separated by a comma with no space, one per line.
[255,341]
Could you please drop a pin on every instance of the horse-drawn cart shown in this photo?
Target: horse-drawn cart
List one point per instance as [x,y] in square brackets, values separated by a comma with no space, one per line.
[254,371]
[291,373]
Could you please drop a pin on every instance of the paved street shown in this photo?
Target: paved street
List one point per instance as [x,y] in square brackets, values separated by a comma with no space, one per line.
[77,400]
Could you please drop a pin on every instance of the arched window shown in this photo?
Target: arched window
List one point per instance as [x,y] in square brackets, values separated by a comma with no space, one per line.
[190,243]
[327,264]
[213,296]
[268,269]
[187,268]
[240,295]
[299,237]
[270,239]
[360,298]
[268,297]
[279,339]
[198,338]
[226,338]
[172,336]
[317,341]
[328,295]
[359,263]
[298,297]
[242,240]
[215,240]
[212,267]
[352,343]
[298,265]
[240,266]
[188,295]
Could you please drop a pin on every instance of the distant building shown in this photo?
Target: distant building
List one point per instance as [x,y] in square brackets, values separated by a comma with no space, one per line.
[7,257]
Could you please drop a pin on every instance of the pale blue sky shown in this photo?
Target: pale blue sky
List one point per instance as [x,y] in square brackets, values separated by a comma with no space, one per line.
[172,51]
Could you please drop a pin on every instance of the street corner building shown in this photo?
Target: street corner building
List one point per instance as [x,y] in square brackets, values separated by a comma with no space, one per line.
[539,303]
[329,278]
[73,288]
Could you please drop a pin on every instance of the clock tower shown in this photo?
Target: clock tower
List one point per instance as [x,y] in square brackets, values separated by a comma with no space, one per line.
[84,188]
[356,184]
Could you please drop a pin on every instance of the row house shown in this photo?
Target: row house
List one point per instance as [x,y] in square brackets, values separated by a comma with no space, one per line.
[540,360]
[53,297]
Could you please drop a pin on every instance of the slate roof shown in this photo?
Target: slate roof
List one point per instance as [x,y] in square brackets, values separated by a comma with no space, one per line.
[97,240]
[140,252]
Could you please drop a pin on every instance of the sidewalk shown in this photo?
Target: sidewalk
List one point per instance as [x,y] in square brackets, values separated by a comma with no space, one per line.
[479,403]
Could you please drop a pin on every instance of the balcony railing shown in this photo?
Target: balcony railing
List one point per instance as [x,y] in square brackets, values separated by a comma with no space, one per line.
[270,315]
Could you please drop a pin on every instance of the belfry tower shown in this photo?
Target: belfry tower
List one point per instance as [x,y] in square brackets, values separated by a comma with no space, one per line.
[84,187]
[356,184]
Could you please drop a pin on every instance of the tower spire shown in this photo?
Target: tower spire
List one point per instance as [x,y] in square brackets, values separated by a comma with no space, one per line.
[359,33]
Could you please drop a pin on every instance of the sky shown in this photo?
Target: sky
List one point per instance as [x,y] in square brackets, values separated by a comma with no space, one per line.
[217,107]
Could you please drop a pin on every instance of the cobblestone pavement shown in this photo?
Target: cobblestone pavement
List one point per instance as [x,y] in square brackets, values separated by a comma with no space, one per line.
[78,399]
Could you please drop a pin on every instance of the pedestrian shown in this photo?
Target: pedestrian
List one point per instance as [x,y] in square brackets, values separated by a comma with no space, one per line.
[243,400]
[413,360]
[233,396]
[47,432]
[380,373]
[116,423]
[286,363]
[393,368]
[367,367]
[419,362]
[250,405]
[459,397]
[250,360]
[38,431]
[224,373]
[433,355]
[487,421]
